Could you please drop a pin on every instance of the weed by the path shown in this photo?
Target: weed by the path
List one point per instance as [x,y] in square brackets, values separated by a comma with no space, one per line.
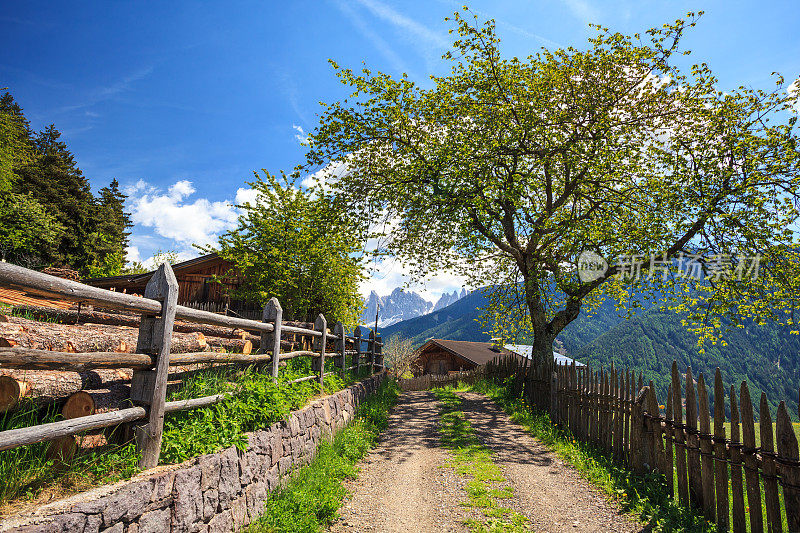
[645,496]
[487,486]
[311,499]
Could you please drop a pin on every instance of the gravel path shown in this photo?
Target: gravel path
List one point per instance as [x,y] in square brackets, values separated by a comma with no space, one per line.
[402,488]
[550,493]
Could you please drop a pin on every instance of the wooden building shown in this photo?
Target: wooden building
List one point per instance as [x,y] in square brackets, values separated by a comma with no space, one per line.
[440,356]
[207,282]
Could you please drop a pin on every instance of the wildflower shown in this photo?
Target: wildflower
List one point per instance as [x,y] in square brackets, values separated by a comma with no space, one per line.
[662,407]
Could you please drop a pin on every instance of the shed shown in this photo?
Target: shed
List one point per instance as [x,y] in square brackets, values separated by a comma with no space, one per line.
[207,282]
[440,356]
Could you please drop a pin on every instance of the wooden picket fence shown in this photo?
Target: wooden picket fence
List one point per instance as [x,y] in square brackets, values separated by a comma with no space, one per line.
[613,409]
[152,359]
[430,381]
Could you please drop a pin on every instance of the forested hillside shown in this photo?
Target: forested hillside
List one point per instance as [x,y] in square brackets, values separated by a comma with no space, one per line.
[48,214]
[648,342]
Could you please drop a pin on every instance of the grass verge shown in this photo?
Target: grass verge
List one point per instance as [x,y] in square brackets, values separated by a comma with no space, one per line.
[311,499]
[487,487]
[645,496]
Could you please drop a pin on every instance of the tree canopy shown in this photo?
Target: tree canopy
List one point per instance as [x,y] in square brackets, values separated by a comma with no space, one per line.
[49,213]
[507,170]
[295,245]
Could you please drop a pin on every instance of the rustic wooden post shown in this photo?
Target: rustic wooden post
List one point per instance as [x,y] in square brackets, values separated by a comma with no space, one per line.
[638,446]
[372,351]
[693,444]
[379,352]
[720,457]
[668,439]
[553,392]
[340,360]
[680,436]
[321,325]
[659,457]
[357,343]
[706,453]
[627,405]
[619,406]
[273,312]
[769,469]
[737,499]
[790,475]
[149,387]
[751,462]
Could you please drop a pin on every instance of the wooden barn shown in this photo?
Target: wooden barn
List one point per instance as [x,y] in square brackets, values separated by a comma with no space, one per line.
[206,282]
[440,356]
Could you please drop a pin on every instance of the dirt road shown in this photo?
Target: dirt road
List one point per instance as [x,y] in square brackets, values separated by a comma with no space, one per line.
[402,486]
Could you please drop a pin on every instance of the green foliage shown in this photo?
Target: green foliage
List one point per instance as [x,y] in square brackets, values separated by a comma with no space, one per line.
[297,246]
[16,148]
[487,486]
[506,170]
[26,229]
[256,403]
[310,501]
[644,496]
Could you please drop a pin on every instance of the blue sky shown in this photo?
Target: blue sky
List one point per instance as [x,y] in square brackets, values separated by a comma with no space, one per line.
[181,101]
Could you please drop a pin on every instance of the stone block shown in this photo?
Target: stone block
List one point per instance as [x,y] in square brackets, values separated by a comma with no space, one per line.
[187,508]
[222,523]
[256,495]
[229,486]
[239,512]
[157,522]
[118,528]
[128,503]
[210,503]
[209,470]
[245,472]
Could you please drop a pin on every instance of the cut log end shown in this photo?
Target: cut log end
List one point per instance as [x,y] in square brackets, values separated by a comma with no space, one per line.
[11,391]
[79,404]
[247,347]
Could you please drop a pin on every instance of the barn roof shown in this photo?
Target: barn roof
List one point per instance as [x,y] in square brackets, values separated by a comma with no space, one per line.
[526,350]
[479,353]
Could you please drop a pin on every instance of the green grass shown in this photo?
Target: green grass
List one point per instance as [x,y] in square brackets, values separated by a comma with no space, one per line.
[644,496]
[26,472]
[487,486]
[311,499]
[27,475]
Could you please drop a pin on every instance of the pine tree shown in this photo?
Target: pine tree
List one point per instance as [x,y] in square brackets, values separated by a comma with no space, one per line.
[110,233]
[56,182]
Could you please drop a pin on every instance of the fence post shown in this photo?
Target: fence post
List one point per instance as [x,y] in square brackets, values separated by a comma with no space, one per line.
[339,360]
[149,387]
[273,312]
[372,351]
[379,352]
[357,342]
[320,324]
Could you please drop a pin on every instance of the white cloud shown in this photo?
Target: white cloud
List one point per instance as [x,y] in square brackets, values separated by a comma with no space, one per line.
[246,196]
[794,91]
[301,136]
[173,216]
[132,254]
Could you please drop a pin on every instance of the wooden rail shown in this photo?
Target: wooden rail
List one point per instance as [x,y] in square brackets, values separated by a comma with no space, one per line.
[620,413]
[152,359]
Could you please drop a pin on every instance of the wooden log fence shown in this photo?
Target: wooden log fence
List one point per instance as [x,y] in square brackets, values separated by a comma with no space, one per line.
[736,481]
[152,359]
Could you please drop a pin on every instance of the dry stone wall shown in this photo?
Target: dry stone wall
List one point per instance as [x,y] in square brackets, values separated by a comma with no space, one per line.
[213,493]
